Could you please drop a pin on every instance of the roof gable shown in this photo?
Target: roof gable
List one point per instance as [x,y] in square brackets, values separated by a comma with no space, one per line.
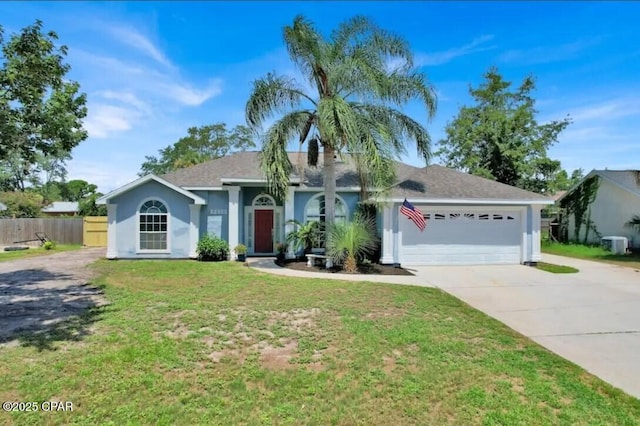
[628,180]
[141,181]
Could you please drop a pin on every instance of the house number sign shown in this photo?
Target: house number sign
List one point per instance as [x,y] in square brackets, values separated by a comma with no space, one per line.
[217,211]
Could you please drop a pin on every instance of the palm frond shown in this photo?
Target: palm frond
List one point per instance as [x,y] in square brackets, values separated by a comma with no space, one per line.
[272,94]
[274,160]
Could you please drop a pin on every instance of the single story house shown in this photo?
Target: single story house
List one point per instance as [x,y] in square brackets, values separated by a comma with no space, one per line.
[62,208]
[470,220]
[615,198]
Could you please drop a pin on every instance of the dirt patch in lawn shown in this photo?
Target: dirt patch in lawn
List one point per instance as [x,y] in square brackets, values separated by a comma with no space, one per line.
[370,269]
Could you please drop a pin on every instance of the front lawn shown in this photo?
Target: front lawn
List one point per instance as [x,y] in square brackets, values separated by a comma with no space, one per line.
[185,342]
[36,251]
[596,253]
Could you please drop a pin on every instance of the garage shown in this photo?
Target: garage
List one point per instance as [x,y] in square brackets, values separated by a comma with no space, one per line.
[463,236]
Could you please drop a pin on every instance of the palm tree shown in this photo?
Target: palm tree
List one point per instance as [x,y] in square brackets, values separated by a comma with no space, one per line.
[355,110]
[351,241]
[634,222]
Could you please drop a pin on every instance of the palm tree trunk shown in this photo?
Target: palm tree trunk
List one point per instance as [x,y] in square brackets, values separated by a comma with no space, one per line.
[329,186]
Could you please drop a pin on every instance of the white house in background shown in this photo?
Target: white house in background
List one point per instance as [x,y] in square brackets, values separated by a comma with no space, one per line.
[617,199]
[2,207]
[470,220]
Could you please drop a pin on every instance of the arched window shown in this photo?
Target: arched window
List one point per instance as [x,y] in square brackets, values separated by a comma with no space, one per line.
[264,200]
[154,220]
[314,210]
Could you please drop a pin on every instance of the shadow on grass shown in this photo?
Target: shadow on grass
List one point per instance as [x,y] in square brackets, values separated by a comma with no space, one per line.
[39,307]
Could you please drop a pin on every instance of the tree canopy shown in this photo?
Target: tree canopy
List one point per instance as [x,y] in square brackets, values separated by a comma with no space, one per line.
[499,137]
[201,144]
[361,75]
[41,111]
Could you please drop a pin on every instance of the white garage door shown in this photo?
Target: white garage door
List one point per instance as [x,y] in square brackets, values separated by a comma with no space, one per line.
[462,237]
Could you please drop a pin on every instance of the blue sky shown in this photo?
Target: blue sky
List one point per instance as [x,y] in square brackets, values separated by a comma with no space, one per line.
[153,69]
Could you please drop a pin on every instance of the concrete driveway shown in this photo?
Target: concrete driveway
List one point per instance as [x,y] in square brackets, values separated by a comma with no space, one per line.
[591,318]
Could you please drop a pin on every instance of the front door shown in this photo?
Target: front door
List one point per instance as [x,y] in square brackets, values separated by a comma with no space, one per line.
[263,231]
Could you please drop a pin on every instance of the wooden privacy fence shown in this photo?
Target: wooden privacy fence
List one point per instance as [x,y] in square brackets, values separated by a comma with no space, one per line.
[95,231]
[60,230]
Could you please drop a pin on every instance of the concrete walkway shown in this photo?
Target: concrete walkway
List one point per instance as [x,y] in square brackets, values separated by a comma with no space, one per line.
[591,318]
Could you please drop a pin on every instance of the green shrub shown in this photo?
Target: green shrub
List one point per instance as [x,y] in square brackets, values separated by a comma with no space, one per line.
[349,242]
[48,245]
[212,247]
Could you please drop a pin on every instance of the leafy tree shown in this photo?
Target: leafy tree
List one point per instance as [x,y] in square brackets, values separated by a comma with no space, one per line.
[201,144]
[41,111]
[563,181]
[76,190]
[21,204]
[88,207]
[499,137]
[351,108]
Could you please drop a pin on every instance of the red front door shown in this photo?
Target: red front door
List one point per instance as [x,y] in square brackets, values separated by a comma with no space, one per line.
[263,231]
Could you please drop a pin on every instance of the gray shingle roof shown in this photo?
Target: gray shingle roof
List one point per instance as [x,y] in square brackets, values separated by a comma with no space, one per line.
[413,182]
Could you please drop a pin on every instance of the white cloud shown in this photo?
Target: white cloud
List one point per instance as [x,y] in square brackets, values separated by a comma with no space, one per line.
[135,39]
[545,54]
[190,96]
[443,57]
[105,178]
[104,119]
[126,98]
[609,110]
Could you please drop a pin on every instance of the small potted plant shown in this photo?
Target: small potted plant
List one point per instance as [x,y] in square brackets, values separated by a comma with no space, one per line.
[241,252]
[281,249]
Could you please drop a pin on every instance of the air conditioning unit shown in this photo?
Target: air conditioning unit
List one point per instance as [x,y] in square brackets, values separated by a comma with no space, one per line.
[616,245]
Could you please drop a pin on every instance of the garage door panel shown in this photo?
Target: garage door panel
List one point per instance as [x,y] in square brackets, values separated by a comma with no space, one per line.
[460,237]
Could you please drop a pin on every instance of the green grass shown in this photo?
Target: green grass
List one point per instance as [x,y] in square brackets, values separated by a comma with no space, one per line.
[556,269]
[597,253]
[37,251]
[184,342]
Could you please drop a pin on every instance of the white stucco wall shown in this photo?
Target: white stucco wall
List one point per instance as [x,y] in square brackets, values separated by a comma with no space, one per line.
[611,209]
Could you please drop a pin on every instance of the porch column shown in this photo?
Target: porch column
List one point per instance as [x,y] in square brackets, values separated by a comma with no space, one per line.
[234,216]
[387,235]
[112,243]
[535,233]
[194,222]
[289,214]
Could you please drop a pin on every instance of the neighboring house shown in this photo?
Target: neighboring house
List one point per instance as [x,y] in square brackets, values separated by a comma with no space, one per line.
[62,208]
[2,207]
[470,220]
[616,199]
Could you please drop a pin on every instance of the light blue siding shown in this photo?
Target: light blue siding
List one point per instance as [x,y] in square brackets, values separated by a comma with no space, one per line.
[127,219]
[216,200]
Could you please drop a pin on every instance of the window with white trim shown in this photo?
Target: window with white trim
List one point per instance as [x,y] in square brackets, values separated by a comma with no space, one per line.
[315,211]
[153,219]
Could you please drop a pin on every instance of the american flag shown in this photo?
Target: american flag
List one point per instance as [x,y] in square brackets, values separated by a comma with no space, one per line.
[413,213]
